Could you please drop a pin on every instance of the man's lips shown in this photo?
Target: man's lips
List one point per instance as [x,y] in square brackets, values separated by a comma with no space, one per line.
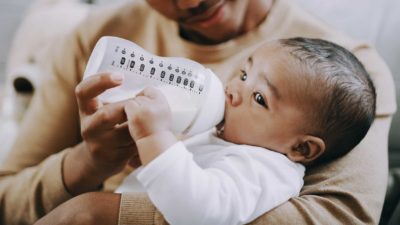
[213,14]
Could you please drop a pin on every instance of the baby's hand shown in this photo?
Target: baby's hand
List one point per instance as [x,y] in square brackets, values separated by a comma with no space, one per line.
[148,114]
[149,119]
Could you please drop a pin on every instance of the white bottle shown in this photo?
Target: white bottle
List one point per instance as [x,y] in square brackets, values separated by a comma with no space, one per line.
[195,94]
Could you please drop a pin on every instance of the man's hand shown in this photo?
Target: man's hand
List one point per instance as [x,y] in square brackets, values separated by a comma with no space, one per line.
[107,145]
[149,119]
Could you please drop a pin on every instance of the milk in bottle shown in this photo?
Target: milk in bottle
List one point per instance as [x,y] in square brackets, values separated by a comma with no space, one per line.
[195,94]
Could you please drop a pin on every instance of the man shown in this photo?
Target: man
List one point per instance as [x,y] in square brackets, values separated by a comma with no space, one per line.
[216,33]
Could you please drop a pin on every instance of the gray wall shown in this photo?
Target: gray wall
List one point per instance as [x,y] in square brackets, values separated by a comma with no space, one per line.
[11,12]
[377,22]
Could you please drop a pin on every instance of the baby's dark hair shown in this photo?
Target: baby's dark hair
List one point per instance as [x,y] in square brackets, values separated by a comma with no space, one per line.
[342,94]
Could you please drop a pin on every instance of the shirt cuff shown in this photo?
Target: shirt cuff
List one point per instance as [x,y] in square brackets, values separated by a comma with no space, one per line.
[137,209]
[53,184]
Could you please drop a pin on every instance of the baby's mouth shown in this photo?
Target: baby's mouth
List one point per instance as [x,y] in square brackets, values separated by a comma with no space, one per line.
[221,124]
[220,128]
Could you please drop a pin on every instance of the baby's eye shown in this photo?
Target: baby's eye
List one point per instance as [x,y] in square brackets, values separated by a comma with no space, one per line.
[260,99]
[243,75]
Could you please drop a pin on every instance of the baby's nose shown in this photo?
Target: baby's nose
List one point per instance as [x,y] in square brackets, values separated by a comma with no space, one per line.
[233,96]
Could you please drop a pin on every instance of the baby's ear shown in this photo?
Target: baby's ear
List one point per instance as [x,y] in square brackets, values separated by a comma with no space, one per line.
[306,149]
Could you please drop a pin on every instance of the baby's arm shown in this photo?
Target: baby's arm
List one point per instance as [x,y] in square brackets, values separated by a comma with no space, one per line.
[149,119]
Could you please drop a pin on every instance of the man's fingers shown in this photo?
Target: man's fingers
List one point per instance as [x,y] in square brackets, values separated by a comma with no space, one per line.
[106,118]
[117,138]
[87,91]
[123,137]
[150,92]
[135,161]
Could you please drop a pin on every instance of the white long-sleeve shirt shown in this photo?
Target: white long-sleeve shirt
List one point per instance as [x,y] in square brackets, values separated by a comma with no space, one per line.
[206,180]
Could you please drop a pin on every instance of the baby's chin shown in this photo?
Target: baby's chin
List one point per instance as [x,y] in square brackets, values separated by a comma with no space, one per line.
[233,134]
[227,136]
[225,133]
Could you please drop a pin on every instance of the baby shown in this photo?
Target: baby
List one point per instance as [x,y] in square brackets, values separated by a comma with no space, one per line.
[295,102]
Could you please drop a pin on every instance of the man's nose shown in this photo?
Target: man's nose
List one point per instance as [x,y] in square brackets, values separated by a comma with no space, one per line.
[234,97]
[188,4]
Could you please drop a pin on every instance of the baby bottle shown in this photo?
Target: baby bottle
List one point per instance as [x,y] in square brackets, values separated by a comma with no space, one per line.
[195,94]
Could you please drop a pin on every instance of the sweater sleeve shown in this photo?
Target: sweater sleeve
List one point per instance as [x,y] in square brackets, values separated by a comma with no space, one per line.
[137,209]
[235,189]
[28,194]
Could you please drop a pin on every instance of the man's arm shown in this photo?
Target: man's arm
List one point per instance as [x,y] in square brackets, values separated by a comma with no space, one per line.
[86,209]
[106,148]
[30,184]
[30,193]
[30,181]
[102,208]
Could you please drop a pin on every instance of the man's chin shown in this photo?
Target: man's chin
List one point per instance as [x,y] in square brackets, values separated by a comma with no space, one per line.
[214,36]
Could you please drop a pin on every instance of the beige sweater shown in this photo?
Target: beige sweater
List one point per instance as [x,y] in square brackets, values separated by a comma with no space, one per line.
[347,191]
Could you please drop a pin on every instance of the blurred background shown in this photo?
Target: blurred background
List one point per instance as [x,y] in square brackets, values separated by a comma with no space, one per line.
[11,12]
[377,22]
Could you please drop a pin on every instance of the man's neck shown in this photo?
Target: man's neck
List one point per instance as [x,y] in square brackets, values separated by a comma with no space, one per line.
[254,18]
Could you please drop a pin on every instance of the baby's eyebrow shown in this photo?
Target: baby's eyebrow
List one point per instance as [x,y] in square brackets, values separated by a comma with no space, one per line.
[270,85]
[250,60]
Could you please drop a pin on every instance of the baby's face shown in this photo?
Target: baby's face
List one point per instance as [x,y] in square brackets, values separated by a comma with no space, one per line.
[260,104]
